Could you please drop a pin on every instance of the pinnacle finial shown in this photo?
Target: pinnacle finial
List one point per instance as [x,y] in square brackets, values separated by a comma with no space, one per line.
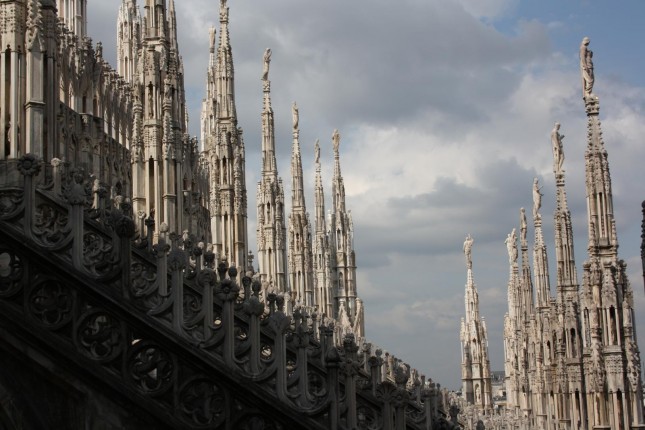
[223,11]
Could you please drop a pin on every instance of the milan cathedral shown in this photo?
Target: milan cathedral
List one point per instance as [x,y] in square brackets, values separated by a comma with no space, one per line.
[128,292]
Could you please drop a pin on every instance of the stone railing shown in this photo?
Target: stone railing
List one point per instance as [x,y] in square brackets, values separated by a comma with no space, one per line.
[179,322]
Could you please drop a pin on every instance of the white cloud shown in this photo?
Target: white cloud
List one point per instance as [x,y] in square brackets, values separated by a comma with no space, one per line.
[488,9]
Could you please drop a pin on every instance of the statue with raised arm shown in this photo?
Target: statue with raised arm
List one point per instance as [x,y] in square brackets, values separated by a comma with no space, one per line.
[556,142]
[317,152]
[537,199]
[295,116]
[511,247]
[586,68]
[335,138]
[468,247]
[267,61]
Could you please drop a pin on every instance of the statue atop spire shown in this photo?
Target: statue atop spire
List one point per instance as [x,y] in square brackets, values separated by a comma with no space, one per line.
[295,116]
[522,226]
[212,32]
[537,199]
[468,250]
[586,68]
[335,138]
[558,153]
[267,62]
[511,247]
[317,152]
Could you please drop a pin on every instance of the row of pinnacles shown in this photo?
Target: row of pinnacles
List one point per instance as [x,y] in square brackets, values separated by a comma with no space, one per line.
[571,361]
[142,236]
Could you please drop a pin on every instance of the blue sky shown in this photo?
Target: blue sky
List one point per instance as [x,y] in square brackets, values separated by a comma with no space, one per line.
[445,110]
[615,28]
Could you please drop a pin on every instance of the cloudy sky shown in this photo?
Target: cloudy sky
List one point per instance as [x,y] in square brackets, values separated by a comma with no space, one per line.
[445,110]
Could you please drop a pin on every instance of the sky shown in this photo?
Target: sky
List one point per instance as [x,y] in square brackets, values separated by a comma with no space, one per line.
[445,109]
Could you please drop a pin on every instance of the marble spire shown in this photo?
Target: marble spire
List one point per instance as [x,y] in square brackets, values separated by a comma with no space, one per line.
[342,233]
[321,245]
[540,261]
[271,230]
[475,364]
[300,250]
[567,276]
[223,144]
[606,293]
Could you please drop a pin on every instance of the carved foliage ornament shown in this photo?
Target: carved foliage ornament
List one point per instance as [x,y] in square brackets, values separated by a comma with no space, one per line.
[50,224]
[202,402]
[10,203]
[150,369]
[11,273]
[50,303]
[99,336]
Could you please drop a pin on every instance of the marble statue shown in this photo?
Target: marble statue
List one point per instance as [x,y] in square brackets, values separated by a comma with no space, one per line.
[295,116]
[514,241]
[468,246]
[151,109]
[511,247]
[586,68]
[556,142]
[212,32]
[523,225]
[267,61]
[167,89]
[335,138]
[317,152]
[537,199]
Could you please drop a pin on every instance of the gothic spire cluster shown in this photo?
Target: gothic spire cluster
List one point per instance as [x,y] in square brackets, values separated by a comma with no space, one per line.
[315,271]
[165,160]
[128,128]
[573,358]
[224,151]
